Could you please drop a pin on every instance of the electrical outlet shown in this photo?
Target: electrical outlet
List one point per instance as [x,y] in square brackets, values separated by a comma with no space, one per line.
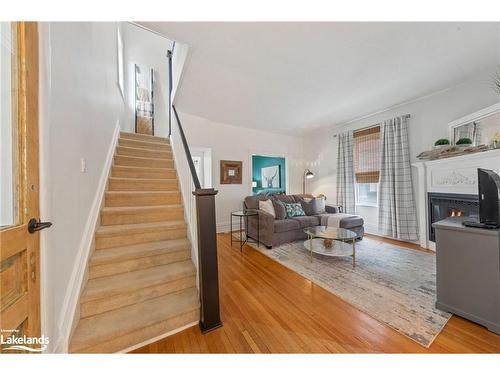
[83,165]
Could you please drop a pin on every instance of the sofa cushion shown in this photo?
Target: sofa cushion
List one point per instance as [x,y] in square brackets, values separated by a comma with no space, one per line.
[285,225]
[279,209]
[306,221]
[294,209]
[348,222]
[286,198]
[313,206]
[252,201]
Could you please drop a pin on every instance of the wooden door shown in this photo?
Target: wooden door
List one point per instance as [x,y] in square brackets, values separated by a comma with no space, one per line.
[19,250]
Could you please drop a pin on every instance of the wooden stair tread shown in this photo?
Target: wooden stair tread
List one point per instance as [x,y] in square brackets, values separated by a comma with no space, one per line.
[107,286]
[136,168]
[137,228]
[123,253]
[137,209]
[143,143]
[142,192]
[103,327]
[145,137]
[142,158]
[133,179]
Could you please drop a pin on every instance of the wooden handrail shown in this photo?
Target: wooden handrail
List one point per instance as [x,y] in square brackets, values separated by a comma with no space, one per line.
[194,175]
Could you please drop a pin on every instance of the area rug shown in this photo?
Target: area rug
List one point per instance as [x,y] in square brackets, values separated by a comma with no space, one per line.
[395,285]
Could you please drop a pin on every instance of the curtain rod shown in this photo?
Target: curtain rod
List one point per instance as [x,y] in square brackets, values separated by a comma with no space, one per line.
[374,125]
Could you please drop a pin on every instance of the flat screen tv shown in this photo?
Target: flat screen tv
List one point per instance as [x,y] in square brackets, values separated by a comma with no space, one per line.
[489,194]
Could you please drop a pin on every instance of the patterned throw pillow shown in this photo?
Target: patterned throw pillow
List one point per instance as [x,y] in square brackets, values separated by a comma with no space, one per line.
[294,209]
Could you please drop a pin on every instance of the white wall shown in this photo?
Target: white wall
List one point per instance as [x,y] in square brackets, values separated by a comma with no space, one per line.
[229,142]
[80,104]
[429,121]
[146,49]
[179,59]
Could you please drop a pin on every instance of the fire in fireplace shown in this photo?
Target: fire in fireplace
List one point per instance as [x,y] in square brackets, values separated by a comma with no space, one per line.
[443,205]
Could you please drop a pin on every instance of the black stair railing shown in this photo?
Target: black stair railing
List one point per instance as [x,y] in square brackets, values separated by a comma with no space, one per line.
[206,233]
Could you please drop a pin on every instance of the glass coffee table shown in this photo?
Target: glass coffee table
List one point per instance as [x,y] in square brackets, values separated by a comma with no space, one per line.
[330,241]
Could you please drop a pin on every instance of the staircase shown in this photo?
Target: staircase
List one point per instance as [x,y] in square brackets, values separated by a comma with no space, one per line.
[141,280]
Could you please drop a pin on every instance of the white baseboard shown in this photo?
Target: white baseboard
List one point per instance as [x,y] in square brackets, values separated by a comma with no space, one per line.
[224,227]
[80,266]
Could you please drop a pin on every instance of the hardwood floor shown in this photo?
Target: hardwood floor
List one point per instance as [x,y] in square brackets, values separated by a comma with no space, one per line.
[267,308]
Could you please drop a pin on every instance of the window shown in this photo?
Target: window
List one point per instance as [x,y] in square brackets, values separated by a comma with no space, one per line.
[367,194]
[367,165]
[121,77]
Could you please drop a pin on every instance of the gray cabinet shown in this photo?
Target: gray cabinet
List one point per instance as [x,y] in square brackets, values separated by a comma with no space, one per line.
[468,272]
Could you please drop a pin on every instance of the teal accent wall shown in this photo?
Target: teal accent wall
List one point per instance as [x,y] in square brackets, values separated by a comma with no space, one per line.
[259,162]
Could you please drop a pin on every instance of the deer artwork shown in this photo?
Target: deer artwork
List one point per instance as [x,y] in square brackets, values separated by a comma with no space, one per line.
[270,179]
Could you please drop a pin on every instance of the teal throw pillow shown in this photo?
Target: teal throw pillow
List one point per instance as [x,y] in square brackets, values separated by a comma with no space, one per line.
[294,209]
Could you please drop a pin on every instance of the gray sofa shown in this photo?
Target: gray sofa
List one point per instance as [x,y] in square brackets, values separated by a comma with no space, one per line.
[274,232]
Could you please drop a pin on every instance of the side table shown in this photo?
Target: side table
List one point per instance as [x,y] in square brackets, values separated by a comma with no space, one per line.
[244,215]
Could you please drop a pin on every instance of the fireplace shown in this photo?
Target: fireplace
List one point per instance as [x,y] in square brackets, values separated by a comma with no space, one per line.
[443,205]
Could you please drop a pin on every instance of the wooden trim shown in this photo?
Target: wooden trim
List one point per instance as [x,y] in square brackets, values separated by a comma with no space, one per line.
[367,177]
[366,131]
[29,39]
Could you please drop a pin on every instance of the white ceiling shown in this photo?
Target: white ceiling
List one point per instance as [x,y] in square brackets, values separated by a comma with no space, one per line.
[292,77]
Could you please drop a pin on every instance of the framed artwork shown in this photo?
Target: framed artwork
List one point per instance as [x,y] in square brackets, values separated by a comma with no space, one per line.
[230,172]
[144,101]
[271,177]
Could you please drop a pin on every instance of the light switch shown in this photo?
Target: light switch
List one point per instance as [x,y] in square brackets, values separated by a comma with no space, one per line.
[83,165]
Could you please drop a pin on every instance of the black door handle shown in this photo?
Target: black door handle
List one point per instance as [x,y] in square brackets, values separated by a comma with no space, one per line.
[35,225]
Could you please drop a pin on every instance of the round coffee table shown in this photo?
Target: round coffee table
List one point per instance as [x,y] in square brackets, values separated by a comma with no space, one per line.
[340,247]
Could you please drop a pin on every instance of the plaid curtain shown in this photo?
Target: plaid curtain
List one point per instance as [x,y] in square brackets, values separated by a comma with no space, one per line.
[396,213]
[345,172]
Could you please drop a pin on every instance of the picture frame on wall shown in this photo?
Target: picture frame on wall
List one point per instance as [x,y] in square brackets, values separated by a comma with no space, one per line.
[271,178]
[231,172]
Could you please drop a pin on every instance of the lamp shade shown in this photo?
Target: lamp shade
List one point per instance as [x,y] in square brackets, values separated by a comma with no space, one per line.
[254,184]
[309,174]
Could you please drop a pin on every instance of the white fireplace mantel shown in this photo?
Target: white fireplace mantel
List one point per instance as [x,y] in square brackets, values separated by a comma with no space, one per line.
[455,175]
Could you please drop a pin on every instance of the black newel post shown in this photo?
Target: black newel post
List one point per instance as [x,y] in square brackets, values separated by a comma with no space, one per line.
[207,259]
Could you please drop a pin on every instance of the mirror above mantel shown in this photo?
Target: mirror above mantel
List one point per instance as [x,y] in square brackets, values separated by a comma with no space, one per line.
[481,127]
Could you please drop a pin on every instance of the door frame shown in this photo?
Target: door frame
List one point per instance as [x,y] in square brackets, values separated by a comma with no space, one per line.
[27,148]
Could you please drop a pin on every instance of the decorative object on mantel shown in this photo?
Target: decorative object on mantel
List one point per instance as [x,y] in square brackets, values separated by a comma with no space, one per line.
[448,152]
[495,142]
[440,143]
[230,172]
[464,142]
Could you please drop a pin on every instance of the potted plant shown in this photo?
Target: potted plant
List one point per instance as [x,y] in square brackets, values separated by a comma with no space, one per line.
[464,142]
[443,142]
